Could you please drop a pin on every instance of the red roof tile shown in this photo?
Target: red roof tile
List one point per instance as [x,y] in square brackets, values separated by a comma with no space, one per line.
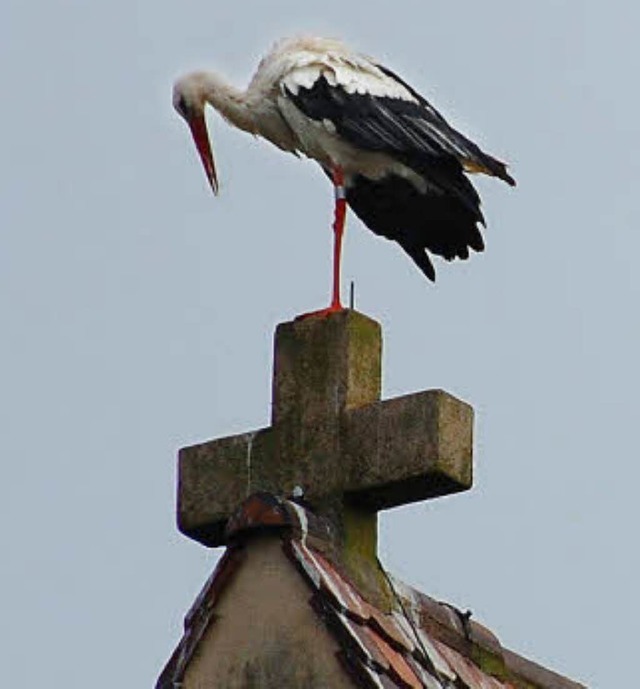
[399,669]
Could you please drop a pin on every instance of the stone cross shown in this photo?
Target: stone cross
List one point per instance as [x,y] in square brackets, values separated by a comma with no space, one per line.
[332,443]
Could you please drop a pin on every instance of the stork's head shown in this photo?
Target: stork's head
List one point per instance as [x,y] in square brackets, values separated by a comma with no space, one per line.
[189,100]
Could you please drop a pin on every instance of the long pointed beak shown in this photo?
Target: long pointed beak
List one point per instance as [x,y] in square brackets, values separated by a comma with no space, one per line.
[198,127]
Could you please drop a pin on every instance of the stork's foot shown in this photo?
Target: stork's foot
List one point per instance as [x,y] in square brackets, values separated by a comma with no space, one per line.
[322,313]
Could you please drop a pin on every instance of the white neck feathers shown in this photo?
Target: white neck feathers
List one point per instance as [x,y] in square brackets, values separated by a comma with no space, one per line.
[232,103]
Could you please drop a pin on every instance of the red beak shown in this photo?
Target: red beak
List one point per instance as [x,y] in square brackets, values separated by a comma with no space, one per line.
[198,128]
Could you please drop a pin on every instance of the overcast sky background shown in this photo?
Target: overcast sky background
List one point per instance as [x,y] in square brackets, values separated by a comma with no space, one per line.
[138,312]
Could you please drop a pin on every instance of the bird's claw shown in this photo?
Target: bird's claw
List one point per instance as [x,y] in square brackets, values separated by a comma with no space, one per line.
[335,307]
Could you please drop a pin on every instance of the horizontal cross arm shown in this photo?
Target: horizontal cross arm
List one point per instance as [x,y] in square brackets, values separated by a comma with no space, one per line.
[407,449]
[213,479]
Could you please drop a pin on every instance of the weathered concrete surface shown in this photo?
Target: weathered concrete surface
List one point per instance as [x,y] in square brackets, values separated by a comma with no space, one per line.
[331,436]
[265,633]
[408,448]
[323,366]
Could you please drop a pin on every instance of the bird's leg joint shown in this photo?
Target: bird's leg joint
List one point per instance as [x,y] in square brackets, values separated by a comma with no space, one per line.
[340,197]
[338,183]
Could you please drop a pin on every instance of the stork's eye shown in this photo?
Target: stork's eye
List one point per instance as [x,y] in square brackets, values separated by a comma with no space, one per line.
[182,106]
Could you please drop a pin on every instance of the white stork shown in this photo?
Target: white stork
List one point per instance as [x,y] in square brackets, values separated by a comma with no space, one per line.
[390,155]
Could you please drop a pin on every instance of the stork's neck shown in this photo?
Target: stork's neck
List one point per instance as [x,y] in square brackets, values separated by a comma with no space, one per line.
[232,103]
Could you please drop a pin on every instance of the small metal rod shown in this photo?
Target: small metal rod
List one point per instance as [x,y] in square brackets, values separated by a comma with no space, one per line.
[352,295]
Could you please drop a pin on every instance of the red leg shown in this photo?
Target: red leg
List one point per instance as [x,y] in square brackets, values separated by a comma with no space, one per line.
[340,212]
[338,232]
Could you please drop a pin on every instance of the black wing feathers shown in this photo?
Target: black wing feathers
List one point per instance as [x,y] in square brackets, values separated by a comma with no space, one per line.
[444,218]
[394,208]
[451,139]
[387,125]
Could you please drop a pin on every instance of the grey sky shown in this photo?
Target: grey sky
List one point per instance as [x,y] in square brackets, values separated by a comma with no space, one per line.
[138,313]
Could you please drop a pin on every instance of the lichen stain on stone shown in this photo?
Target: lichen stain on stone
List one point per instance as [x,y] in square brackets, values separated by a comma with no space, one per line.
[283,663]
[489,662]
[359,555]
[365,363]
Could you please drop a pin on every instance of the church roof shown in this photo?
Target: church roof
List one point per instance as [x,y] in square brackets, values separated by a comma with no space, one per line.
[421,643]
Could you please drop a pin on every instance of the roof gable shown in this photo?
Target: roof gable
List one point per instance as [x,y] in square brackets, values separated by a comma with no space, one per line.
[419,642]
